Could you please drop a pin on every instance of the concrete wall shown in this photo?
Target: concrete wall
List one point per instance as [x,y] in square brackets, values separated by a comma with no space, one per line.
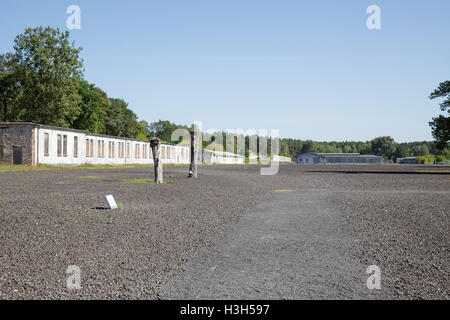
[20,137]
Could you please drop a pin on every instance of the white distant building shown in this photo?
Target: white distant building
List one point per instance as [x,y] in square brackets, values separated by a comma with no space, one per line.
[211,156]
[314,157]
[278,158]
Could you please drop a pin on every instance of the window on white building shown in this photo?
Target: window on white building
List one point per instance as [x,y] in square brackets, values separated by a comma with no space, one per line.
[75,147]
[46,144]
[65,145]
[59,145]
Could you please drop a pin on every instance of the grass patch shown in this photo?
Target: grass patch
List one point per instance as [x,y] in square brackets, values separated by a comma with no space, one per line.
[433,171]
[92,177]
[137,181]
[20,185]
[57,194]
[143,181]
[43,167]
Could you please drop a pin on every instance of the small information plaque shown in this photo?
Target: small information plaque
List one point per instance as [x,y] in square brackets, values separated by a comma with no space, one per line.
[110,202]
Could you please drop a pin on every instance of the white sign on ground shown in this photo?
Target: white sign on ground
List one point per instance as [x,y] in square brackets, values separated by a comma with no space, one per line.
[111,202]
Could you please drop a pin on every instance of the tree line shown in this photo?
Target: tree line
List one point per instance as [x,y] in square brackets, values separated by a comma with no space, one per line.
[380,146]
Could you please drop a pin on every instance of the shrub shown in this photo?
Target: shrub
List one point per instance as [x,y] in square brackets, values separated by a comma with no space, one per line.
[426,159]
[441,158]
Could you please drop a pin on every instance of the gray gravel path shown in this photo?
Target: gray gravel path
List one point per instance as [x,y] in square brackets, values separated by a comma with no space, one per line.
[293,245]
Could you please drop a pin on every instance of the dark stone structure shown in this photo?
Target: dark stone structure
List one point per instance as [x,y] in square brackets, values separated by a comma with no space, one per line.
[17,143]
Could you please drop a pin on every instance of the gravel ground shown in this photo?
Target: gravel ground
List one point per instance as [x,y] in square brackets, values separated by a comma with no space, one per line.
[52,219]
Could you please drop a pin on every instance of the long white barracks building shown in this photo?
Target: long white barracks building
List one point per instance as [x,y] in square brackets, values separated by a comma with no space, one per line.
[33,144]
[29,143]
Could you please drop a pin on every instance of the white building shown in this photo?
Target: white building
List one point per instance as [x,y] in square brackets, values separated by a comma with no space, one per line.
[29,143]
[211,156]
[278,158]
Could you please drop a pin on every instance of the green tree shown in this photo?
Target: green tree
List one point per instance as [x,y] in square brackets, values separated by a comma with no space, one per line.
[143,132]
[163,129]
[440,128]
[9,89]
[131,124]
[364,147]
[93,105]
[120,120]
[144,129]
[309,146]
[347,148]
[421,150]
[426,159]
[440,125]
[48,69]
[401,151]
[383,146]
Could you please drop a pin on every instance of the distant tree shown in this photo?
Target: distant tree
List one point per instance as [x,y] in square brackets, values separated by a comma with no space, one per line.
[440,128]
[347,148]
[9,89]
[144,129]
[93,104]
[421,150]
[445,153]
[143,132]
[364,147]
[114,117]
[119,120]
[401,151]
[163,129]
[440,125]
[383,146]
[48,69]
[309,146]
[426,159]
[131,125]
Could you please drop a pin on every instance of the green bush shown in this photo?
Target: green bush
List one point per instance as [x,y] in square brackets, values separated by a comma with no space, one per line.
[429,158]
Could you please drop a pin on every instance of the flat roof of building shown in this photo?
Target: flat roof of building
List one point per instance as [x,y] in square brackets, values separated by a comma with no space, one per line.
[342,155]
[408,158]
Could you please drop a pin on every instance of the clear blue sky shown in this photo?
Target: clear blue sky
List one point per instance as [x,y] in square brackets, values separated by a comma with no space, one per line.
[310,68]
